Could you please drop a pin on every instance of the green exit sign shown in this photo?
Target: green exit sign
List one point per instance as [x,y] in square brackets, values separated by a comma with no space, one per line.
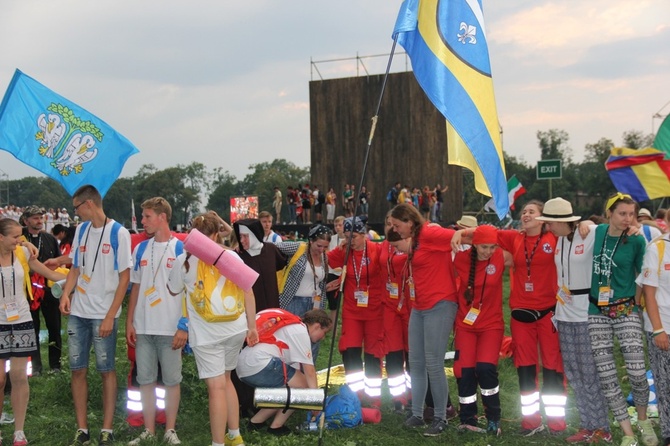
[549,170]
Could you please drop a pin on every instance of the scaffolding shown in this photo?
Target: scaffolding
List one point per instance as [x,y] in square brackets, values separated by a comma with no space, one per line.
[4,188]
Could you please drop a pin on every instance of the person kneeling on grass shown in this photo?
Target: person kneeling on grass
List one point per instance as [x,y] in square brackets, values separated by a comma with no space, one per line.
[282,358]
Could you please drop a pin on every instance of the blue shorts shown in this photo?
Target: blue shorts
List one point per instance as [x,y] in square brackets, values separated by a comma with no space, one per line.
[151,350]
[271,376]
[82,334]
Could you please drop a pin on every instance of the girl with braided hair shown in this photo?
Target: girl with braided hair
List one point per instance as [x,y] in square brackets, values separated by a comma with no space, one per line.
[479,327]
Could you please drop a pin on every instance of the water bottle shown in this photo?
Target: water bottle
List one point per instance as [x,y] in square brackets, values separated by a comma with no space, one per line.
[309,426]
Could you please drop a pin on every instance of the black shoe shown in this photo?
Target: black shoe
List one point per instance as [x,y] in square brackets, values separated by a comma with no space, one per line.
[279,431]
[81,438]
[251,426]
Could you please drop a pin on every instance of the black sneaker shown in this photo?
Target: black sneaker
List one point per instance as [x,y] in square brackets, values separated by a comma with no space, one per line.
[106,438]
[436,428]
[414,422]
[81,438]
[251,426]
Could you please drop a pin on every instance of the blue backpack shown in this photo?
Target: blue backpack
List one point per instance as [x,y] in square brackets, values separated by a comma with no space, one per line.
[113,238]
[343,409]
[178,250]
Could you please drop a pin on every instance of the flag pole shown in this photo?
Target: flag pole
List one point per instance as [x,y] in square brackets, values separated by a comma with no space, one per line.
[373,127]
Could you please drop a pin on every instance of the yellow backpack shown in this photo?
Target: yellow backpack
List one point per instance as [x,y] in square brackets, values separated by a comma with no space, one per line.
[282,275]
[21,257]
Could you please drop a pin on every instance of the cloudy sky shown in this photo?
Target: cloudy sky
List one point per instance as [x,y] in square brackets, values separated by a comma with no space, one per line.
[226,83]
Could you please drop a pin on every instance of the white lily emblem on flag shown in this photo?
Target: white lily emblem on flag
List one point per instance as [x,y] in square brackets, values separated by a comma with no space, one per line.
[469,32]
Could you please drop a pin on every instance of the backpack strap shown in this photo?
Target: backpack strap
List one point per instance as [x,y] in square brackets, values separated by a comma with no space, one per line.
[139,253]
[82,229]
[21,257]
[114,241]
[647,232]
[660,245]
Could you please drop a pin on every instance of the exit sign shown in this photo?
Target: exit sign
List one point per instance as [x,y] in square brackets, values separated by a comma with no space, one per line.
[549,170]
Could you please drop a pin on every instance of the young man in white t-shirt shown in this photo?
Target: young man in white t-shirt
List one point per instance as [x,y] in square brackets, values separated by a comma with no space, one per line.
[268,234]
[257,365]
[99,277]
[153,319]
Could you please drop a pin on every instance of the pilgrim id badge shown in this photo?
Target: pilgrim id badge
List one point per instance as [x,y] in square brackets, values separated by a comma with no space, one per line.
[11,311]
[529,287]
[393,290]
[564,295]
[152,295]
[361,298]
[471,317]
[83,283]
[605,293]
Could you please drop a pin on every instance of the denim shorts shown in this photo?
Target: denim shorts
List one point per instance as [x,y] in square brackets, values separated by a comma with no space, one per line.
[82,334]
[151,350]
[271,376]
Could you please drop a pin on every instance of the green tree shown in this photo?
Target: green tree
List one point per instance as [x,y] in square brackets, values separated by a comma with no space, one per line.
[554,145]
[118,200]
[266,176]
[224,186]
[40,191]
[636,139]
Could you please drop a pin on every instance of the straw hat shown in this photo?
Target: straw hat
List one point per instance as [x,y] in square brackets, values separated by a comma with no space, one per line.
[467,221]
[558,209]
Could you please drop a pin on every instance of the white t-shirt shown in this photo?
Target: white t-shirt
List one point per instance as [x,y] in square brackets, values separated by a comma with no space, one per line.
[254,359]
[309,285]
[13,291]
[651,276]
[573,266]
[653,232]
[273,237]
[95,258]
[156,313]
[200,331]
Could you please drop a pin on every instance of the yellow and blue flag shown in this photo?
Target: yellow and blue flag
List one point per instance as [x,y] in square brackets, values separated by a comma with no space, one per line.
[446,41]
[643,174]
[59,138]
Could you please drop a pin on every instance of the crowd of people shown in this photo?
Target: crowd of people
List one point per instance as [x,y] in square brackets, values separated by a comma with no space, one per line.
[576,286]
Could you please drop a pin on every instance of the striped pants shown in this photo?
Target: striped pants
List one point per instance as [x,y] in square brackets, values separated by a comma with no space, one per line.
[660,367]
[628,331]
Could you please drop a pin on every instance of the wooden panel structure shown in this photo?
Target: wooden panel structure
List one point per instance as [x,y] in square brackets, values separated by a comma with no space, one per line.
[409,145]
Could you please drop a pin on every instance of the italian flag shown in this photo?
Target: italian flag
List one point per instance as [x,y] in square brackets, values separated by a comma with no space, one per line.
[514,190]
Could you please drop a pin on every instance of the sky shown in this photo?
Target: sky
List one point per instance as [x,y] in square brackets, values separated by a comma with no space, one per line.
[227,83]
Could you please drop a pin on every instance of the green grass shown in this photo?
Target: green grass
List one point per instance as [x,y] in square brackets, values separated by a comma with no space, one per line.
[50,420]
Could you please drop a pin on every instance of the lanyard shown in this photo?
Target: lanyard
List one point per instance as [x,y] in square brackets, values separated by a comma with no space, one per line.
[389,263]
[160,262]
[532,253]
[39,242]
[311,263]
[97,250]
[481,294]
[611,262]
[2,278]
[562,257]
[358,272]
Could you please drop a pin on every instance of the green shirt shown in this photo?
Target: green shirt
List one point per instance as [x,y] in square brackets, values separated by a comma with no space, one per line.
[617,261]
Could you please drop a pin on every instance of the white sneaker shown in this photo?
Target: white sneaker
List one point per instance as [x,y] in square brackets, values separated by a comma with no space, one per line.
[170,437]
[146,435]
[6,418]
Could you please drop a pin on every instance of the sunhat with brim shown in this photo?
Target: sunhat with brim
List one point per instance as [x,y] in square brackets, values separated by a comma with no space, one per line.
[467,221]
[645,213]
[558,209]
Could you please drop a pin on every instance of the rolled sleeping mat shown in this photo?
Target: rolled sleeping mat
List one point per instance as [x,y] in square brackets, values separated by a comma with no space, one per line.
[230,266]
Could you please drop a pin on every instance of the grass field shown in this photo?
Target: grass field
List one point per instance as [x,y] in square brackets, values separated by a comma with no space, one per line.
[50,419]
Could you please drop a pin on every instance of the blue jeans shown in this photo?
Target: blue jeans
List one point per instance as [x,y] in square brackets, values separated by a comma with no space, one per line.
[291,213]
[429,332]
[82,333]
[271,376]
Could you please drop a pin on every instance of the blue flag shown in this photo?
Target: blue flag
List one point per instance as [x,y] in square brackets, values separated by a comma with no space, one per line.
[59,138]
[446,41]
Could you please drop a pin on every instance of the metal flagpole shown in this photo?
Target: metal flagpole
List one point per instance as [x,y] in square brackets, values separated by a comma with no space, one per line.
[347,252]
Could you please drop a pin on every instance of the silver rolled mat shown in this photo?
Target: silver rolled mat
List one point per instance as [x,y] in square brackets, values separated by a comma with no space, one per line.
[308,399]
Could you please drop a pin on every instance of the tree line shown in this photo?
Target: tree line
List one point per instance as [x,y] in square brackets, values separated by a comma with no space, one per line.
[194,188]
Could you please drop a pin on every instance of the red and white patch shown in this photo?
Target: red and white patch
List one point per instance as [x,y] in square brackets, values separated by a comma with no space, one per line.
[82,248]
[490,269]
[547,248]
[579,249]
[666,266]
[647,273]
[106,248]
[170,262]
[144,262]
